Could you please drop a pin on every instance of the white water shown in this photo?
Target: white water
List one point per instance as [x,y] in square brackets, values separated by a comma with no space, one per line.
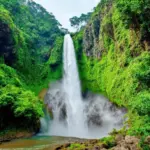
[74,116]
[72,89]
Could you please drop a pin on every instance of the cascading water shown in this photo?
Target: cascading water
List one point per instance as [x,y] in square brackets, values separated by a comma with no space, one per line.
[74,116]
[71,86]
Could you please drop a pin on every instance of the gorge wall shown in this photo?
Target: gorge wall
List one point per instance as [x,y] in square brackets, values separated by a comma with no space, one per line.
[113,54]
[31,44]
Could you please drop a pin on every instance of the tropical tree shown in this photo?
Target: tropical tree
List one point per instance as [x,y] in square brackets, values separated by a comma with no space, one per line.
[79,22]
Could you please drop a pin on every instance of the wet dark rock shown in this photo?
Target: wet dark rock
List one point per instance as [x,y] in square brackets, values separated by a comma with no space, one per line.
[54,99]
[63,113]
[59,147]
[7,44]
[94,119]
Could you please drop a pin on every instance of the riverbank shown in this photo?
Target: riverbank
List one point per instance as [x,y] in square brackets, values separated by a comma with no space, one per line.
[39,142]
[15,134]
[118,142]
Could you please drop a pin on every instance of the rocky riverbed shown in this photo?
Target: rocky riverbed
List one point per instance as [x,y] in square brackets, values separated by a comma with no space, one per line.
[119,143]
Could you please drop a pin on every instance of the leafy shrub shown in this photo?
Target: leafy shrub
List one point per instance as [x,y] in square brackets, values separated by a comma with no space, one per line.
[141,103]
[109,141]
[122,72]
[76,146]
[137,14]
[22,102]
[56,52]
[8,76]
[23,106]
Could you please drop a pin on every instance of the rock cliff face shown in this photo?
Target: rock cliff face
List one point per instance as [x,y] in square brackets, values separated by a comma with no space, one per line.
[113,54]
[91,38]
[6,43]
[91,43]
[30,58]
[103,23]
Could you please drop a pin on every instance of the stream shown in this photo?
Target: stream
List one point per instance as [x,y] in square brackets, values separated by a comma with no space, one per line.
[38,143]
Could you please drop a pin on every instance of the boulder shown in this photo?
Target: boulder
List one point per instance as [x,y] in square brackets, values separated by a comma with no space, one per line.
[119,138]
[96,148]
[131,140]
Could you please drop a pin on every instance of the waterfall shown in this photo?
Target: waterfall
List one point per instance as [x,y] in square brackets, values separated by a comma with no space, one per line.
[72,115]
[72,89]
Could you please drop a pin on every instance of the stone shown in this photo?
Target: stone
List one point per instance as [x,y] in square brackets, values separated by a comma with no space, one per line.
[123,148]
[131,140]
[67,145]
[96,148]
[59,147]
[119,138]
[119,148]
[102,146]
[133,147]
[93,141]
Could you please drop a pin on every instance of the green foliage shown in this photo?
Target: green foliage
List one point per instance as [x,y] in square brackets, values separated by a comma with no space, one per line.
[122,71]
[33,35]
[77,38]
[136,13]
[31,42]
[16,101]
[141,103]
[56,52]
[41,27]
[79,22]
[139,125]
[76,146]
[8,76]
[143,144]
[47,72]
[22,102]
[109,141]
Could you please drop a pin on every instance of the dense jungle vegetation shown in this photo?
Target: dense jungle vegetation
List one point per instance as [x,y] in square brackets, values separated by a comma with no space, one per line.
[113,54]
[31,42]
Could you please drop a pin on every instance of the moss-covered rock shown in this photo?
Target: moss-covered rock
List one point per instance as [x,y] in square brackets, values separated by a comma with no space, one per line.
[116,63]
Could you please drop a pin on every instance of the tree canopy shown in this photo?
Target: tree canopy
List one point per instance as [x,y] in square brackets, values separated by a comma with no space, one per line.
[78,22]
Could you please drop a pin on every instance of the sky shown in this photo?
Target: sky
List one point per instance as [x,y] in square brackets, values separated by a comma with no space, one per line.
[65,9]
